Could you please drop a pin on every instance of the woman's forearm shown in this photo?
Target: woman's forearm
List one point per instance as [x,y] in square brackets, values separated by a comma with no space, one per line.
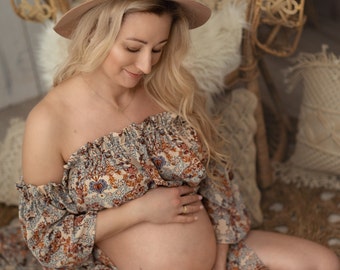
[221,257]
[115,220]
[160,205]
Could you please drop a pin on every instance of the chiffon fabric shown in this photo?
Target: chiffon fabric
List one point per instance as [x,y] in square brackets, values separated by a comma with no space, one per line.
[58,219]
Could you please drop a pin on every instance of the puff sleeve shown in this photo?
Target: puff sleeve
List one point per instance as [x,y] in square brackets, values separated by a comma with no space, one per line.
[225,207]
[55,232]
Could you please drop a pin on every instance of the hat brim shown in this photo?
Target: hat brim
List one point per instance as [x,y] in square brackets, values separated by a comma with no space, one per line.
[196,13]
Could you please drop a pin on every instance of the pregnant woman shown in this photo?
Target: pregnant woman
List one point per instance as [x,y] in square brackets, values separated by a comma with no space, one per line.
[122,166]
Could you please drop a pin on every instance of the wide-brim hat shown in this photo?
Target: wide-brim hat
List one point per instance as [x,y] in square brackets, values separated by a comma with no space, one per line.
[196,13]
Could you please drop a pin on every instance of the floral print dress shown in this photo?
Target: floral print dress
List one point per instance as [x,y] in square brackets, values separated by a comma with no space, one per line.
[58,220]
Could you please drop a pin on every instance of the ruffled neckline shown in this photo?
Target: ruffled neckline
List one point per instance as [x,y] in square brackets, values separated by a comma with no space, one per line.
[162,117]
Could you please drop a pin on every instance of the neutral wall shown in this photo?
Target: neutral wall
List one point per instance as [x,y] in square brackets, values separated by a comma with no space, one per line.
[19,78]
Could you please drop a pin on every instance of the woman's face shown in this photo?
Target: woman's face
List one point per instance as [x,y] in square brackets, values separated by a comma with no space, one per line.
[138,47]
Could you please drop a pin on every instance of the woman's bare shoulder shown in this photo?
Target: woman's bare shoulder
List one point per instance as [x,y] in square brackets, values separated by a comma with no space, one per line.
[46,118]
[41,158]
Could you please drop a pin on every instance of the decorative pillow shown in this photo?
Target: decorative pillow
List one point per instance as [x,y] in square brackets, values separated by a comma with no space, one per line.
[239,126]
[216,47]
[51,52]
[318,138]
[289,173]
[10,161]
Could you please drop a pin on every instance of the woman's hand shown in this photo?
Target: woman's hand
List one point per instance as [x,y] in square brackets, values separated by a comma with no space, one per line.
[221,257]
[161,205]
[170,205]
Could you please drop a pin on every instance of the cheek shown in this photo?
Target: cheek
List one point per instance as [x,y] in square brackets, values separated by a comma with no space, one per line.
[118,58]
[109,62]
[155,59]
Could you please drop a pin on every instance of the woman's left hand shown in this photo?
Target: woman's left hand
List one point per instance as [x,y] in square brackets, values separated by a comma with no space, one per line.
[221,257]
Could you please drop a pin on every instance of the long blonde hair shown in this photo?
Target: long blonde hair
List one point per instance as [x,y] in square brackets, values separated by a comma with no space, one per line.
[169,83]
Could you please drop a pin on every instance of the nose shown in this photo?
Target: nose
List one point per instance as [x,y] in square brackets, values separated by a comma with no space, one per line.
[144,62]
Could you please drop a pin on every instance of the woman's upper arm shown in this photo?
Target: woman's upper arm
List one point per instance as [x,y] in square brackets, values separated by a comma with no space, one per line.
[225,207]
[52,225]
[41,157]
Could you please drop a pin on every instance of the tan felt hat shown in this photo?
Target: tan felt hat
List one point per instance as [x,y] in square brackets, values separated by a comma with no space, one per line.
[196,13]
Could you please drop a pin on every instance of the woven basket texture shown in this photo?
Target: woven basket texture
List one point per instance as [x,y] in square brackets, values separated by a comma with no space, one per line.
[318,138]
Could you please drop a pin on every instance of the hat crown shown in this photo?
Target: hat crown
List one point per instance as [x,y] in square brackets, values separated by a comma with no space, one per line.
[196,13]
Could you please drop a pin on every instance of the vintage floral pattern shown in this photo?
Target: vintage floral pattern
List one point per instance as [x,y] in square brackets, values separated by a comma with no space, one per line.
[58,220]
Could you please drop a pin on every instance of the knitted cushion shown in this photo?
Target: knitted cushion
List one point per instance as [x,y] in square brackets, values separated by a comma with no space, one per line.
[10,161]
[318,138]
[239,127]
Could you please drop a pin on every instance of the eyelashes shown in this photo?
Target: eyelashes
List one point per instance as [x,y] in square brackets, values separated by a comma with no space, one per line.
[133,50]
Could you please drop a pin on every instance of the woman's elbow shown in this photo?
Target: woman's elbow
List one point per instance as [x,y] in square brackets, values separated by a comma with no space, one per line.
[60,255]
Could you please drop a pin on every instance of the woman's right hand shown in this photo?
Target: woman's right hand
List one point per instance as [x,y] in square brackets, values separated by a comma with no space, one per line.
[161,205]
[170,205]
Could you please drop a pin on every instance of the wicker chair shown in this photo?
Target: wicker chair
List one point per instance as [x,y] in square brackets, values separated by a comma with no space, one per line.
[275,28]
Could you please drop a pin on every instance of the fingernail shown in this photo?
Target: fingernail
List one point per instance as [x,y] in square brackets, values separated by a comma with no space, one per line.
[200,197]
[201,206]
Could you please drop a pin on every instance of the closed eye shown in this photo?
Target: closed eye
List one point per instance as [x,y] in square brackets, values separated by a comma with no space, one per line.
[132,50]
[157,51]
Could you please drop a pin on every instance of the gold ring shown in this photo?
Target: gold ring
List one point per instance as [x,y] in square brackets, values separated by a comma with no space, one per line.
[185,209]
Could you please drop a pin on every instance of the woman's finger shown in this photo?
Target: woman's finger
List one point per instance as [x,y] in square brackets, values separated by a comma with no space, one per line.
[183,190]
[190,208]
[186,218]
[190,199]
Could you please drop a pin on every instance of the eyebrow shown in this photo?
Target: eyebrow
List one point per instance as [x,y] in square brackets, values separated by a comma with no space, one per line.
[144,42]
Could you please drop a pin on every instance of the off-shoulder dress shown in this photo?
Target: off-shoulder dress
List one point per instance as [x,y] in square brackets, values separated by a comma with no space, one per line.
[58,219]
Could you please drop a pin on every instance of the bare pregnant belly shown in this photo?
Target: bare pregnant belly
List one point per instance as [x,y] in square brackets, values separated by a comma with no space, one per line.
[172,246]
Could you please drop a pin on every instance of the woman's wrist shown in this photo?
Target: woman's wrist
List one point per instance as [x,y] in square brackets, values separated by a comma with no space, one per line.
[221,256]
[136,209]
[223,248]
[122,218]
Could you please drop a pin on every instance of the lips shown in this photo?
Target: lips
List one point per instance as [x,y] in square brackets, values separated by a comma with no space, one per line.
[134,75]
